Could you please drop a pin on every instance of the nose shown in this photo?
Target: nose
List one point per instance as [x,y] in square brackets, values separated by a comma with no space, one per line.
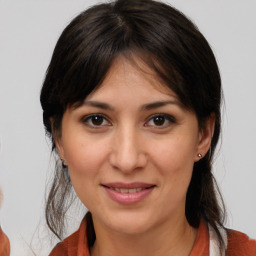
[127,152]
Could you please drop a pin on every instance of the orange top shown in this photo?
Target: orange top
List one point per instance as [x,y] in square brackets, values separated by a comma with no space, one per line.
[4,244]
[201,246]
[238,244]
[74,245]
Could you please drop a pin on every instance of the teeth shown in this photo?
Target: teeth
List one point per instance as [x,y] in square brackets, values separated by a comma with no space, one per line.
[126,190]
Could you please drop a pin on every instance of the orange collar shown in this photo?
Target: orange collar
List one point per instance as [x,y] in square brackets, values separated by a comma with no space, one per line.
[201,246]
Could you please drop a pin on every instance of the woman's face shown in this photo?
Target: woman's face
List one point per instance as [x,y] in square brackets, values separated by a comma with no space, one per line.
[130,150]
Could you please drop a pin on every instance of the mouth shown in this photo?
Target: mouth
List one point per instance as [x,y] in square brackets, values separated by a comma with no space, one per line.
[126,190]
[128,187]
[131,193]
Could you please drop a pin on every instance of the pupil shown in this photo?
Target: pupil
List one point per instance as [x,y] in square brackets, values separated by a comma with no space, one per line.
[159,120]
[97,120]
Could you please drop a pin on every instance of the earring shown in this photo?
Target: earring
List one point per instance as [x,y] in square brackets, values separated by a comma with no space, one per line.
[64,163]
[199,155]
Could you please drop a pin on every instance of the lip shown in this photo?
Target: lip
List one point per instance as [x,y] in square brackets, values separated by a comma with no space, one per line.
[143,191]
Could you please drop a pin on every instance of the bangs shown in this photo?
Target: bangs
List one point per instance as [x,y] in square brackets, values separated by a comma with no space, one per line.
[168,44]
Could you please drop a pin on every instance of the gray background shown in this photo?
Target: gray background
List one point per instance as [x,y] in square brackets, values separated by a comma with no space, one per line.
[28,33]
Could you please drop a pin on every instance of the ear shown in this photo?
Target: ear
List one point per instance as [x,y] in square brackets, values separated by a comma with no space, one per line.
[205,137]
[57,140]
[59,147]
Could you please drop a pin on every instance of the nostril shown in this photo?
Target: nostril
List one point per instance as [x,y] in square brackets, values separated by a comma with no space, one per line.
[127,160]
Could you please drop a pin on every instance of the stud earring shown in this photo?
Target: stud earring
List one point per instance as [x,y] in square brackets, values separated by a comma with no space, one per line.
[199,155]
[64,163]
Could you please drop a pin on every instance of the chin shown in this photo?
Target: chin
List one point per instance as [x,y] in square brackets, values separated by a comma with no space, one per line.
[130,224]
[131,228]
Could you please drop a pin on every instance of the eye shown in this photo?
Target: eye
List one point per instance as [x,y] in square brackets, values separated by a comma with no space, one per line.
[160,121]
[96,121]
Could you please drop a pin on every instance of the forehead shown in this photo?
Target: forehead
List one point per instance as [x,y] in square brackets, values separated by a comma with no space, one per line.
[131,76]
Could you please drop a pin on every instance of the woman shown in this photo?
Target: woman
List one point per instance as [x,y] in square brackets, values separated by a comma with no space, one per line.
[131,101]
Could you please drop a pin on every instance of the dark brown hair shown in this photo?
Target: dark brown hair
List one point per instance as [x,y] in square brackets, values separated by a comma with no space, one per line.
[172,46]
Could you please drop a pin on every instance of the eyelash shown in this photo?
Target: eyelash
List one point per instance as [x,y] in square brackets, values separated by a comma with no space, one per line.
[88,119]
[167,118]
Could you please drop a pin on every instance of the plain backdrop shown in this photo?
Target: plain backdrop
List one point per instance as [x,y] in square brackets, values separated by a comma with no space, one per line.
[29,30]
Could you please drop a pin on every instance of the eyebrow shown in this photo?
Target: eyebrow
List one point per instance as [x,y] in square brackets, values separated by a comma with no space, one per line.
[147,106]
[159,104]
[98,104]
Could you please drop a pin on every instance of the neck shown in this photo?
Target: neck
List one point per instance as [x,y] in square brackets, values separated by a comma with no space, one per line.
[172,239]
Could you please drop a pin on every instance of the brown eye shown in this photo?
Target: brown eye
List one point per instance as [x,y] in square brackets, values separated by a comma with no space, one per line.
[160,121]
[96,121]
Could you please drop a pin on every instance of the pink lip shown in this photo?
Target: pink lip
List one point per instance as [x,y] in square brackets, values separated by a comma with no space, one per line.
[128,198]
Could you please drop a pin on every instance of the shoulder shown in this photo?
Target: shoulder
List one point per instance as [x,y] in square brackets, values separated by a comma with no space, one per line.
[74,244]
[240,244]
[67,247]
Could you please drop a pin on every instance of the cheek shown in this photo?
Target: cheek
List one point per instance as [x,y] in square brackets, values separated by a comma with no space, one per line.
[83,155]
[174,162]
[174,155]
[83,168]
[86,159]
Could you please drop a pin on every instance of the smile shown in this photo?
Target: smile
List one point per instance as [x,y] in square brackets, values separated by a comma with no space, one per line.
[125,190]
[127,194]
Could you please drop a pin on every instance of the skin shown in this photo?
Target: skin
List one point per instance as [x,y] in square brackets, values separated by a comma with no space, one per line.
[134,143]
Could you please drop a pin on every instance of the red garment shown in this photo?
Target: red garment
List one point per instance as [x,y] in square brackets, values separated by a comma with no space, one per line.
[74,245]
[4,244]
[238,244]
[201,246]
